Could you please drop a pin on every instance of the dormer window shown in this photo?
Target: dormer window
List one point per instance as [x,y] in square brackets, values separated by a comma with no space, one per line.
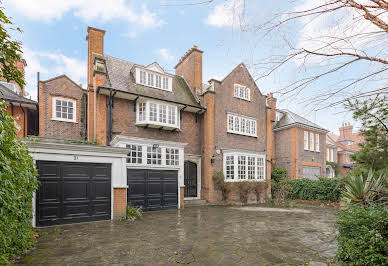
[157,115]
[242,92]
[153,79]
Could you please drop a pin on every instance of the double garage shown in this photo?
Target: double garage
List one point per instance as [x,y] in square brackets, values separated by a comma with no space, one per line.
[78,184]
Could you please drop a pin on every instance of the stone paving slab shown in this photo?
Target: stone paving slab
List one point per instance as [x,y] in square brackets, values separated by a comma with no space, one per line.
[206,235]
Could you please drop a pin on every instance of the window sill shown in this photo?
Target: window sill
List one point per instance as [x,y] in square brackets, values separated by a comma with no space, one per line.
[133,165]
[241,134]
[241,180]
[64,120]
[242,99]
[157,126]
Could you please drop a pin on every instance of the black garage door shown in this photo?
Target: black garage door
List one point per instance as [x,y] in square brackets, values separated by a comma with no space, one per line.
[73,192]
[153,189]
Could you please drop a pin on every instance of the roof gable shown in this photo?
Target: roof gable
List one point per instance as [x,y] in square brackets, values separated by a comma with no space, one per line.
[62,77]
[248,74]
[292,119]
[155,67]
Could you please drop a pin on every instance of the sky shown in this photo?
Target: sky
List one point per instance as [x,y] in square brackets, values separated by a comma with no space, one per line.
[160,30]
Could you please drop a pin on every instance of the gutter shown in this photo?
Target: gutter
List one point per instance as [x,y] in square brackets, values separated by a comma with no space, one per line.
[24,121]
[150,97]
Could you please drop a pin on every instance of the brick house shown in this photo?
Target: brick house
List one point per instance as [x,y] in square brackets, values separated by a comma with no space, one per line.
[300,146]
[348,143]
[62,109]
[24,110]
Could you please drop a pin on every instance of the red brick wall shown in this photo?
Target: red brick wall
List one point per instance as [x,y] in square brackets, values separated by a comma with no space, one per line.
[65,88]
[119,202]
[190,67]
[283,150]
[124,119]
[18,116]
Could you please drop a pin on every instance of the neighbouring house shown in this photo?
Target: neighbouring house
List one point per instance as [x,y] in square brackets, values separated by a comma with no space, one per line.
[348,143]
[23,109]
[331,157]
[62,109]
[300,146]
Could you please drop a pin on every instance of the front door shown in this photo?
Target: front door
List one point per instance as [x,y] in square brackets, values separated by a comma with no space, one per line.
[190,180]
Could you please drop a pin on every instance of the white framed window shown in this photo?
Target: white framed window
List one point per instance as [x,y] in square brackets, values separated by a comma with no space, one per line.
[142,111]
[172,156]
[328,155]
[251,167]
[242,92]
[332,155]
[154,155]
[229,167]
[150,79]
[143,77]
[135,155]
[311,141]
[64,109]
[242,167]
[306,140]
[239,166]
[154,80]
[241,125]
[317,142]
[153,112]
[157,113]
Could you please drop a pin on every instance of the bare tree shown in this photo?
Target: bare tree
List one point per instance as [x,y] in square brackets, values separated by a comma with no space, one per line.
[337,46]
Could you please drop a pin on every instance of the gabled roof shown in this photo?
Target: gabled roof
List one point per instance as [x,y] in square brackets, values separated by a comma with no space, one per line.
[61,76]
[290,119]
[8,95]
[121,77]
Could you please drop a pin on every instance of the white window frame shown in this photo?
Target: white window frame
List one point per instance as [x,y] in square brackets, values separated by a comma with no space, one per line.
[234,172]
[151,151]
[172,156]
[153,79]
[332,155]
[241,126]
[242,92]
[137,151]
[317,142]
[306,140]
[328,150]
[164,114]
[312,141]
[54,107]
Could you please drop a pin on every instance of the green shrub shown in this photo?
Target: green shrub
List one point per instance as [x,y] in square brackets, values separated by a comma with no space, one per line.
[278,174]
[363,236]
[243,189]
[17,183]
[132,213]
[322,189]
[258,188]
[221,185]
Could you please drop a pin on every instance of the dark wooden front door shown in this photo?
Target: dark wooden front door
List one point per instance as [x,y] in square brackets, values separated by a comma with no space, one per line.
[153,189]
[73,192]
[190,180]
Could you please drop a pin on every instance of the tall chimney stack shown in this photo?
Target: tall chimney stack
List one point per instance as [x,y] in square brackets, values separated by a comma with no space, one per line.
[190,67]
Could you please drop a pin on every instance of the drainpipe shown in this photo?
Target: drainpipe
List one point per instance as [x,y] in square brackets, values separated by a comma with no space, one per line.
[37,119]
[24,121]
[12,113]
[86,116]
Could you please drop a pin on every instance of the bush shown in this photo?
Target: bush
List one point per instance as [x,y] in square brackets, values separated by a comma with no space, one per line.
[281,191]
[278,174]
[258,188]
[243,189]
[323,189]
[221,185]
[132,213]
[17,183]
[363,236]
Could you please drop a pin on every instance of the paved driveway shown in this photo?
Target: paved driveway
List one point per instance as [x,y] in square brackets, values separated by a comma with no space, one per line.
[207,235]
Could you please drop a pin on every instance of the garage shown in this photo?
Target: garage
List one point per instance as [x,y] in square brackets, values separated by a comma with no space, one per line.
[152,189]
[72,192]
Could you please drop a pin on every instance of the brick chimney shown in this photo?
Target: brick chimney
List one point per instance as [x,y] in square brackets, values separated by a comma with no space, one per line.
[270,145]
[346,132]
[190,67]
[95,39]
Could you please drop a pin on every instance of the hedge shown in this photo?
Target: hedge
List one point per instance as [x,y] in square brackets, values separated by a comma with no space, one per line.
[17,183]
[363,236]
[322,189]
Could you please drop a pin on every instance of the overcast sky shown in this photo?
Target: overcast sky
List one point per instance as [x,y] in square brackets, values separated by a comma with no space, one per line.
[146,31]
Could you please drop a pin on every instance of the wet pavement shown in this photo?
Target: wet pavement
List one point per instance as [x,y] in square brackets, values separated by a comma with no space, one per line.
[207,235]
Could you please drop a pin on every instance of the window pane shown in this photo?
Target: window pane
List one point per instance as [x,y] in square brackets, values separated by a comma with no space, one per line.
[162,113]
[229,167]
[70,116]
[153,112]
[251,167]
[58,114]
[70,104]
[242,167]
[260,168]
[58,108]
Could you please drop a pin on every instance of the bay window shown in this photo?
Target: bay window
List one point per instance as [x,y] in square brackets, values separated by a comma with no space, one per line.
[157,114]
[244,167]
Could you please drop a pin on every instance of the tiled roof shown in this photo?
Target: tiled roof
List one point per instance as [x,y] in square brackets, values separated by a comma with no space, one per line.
[8,95]
[290,118]
[121,77]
